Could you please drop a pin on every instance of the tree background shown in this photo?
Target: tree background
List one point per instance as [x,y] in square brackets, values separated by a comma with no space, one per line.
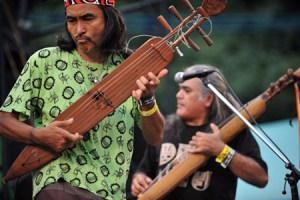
[255,42]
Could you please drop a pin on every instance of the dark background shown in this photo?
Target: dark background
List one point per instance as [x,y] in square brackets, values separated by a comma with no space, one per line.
[255,42]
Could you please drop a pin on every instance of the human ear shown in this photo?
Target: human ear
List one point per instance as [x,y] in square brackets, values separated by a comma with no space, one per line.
[209,100]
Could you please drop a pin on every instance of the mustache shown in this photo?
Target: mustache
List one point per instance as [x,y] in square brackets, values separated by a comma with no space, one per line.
[82,37]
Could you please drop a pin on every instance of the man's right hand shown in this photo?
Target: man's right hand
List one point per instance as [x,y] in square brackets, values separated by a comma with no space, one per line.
[55,136]
[140,183]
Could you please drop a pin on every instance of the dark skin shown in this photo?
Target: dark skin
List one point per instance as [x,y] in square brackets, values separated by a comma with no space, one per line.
[86,25]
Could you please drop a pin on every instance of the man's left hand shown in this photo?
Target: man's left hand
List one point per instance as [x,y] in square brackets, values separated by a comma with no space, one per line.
[148,84]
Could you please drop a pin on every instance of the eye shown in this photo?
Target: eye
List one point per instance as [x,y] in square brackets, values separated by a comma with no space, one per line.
[88,17]
[71,19]
[187,90]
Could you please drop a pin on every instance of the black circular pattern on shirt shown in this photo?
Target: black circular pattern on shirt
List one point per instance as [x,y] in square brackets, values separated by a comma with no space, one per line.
[114,188]
[130,145]
[78,77]
[115,61]
[96,128]
[38,178]
[28,105]
[44,53]
[49,180]
[81,160]
[75,182]
[65,167]
[26,67]
[86,136]
[34,103]
[8,101]
[105,75]
[49,83]
[37,102]
[91,177]
[121,127]
[132,113]
[61,65]
[37,83]
[54,111]
[120,158]
[94,154]
[104,170]
[131,131]
[68,92]
[102,193]
[111,113]
[106,142]
[27,86]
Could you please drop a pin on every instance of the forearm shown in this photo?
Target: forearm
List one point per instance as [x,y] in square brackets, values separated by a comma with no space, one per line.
[249,170]
[153,127]
[13,129]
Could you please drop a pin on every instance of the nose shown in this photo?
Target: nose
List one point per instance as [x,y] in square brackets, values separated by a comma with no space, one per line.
[179,94]
[80,28]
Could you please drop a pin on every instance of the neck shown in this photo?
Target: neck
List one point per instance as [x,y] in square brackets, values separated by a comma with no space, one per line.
[195,121]
[91,56]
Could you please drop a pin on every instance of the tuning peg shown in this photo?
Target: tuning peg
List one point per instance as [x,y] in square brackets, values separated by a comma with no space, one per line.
[167,26]
[164,23]
[205,37]
[175,12]
[188,4]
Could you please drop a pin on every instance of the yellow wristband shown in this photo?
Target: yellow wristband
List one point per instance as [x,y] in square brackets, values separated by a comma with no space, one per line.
[150,112]
[224,153]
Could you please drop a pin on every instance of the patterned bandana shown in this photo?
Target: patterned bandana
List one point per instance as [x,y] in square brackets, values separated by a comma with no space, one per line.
[96,2]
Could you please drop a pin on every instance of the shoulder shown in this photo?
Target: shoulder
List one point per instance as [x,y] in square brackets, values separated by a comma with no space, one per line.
[49,52]
[172,118]
[173,121]
[115,59]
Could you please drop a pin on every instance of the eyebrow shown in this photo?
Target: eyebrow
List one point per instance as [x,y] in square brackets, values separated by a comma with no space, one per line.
[80,16]
[184,87]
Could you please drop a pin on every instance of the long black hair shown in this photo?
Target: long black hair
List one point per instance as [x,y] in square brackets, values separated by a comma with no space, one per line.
[114,38]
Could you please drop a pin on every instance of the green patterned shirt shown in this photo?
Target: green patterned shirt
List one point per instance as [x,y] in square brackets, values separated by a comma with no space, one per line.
[51,81]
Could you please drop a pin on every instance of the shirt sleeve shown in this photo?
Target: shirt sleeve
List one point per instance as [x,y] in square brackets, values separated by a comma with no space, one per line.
[149,162]
[246,144]
[23,95]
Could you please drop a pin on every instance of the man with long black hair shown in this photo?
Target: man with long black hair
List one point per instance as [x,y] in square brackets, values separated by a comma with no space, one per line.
[94,166]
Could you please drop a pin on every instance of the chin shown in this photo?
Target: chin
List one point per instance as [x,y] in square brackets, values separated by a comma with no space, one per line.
[85,49]
[180,114]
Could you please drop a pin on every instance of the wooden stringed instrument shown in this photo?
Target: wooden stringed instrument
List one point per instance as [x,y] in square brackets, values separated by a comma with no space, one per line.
[184,167]
[153,56]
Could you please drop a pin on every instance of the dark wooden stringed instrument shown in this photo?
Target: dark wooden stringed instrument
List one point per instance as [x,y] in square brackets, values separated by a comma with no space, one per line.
[153,56]
[184,167]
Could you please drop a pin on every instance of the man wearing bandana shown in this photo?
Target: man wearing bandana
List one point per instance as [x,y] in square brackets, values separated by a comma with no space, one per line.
[94,166]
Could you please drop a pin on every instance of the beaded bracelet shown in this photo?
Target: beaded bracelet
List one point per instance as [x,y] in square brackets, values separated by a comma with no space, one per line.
[150,112]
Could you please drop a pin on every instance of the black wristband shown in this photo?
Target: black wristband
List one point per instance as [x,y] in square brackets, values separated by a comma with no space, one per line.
[147,101]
